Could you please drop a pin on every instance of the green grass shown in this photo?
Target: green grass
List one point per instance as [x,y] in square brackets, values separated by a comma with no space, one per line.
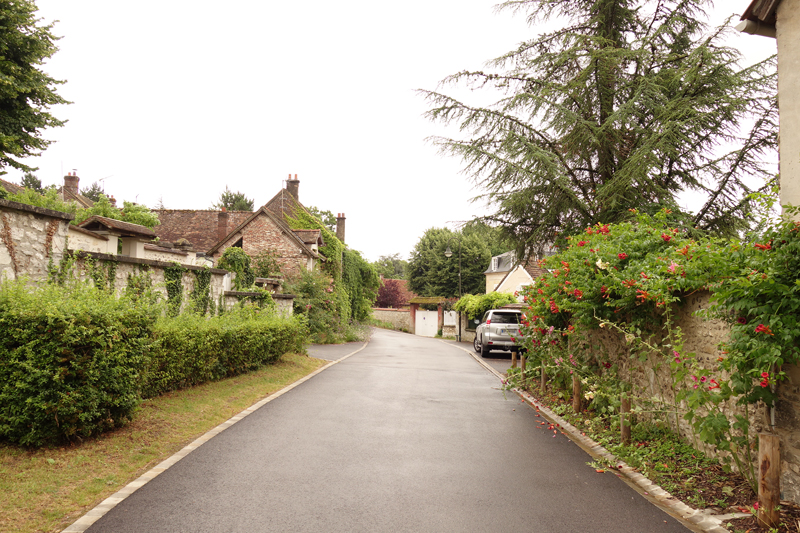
[47,489]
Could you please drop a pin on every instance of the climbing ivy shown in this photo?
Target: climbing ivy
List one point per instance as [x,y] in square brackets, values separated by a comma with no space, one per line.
[332,248]
[173,277]
[235,260]
[103,274]
[201,294]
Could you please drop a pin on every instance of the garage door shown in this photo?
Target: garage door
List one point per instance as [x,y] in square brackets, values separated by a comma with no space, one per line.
[426,323]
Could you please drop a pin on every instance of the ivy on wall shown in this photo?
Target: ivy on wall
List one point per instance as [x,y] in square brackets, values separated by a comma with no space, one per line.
[173,279]
[201,294]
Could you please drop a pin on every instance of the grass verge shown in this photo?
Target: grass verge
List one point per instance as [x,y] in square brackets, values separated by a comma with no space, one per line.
[47,489]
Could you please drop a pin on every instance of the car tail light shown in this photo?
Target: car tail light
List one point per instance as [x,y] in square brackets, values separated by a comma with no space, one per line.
[488,321]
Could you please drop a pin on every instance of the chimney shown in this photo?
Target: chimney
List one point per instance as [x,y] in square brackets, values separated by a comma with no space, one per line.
[113,201]
[222,224]
[340,227]
[71,182]
[293,186]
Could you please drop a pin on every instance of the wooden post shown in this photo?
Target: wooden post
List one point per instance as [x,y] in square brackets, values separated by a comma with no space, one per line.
[522,369]
[625,420]
[769,481]
[513,359]
[577,395]
[542,378]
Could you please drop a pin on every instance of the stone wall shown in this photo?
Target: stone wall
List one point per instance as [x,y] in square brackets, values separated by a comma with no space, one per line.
[30,239]
[399,318]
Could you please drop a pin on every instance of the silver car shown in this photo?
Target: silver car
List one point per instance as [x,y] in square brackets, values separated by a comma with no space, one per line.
[495,331]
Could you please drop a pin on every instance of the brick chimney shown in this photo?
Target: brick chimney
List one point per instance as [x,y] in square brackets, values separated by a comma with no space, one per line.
[222,224]
[340,226]
[71,182]
[293,186]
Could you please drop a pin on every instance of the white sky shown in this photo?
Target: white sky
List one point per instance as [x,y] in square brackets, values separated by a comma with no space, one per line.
[175,99]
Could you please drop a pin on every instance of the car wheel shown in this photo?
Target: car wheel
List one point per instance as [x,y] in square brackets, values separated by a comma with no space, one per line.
[476,344]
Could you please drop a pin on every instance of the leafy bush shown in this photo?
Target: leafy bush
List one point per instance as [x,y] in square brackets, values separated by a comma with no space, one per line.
[70,361]
[235,260]
[265,264]
[190,349]
[475,305]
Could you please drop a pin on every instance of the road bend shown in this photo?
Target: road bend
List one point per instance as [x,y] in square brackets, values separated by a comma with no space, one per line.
[409,434]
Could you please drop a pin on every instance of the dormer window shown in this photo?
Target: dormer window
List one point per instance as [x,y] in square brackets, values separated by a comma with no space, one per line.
[495,261]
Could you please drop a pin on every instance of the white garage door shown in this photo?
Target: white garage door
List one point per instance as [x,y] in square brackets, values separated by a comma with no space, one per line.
[426,323]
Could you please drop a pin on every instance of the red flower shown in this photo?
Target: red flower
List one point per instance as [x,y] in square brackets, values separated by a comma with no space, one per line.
[629,282]
[582,243]
[607,365]
[741,320]
[763,246]
[604,229]
[761,328]
[644,295]
[578,294]
[553,307]
[666,237]
[623,256]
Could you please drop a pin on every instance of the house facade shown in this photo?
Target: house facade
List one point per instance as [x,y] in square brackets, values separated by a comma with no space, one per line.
[505,274]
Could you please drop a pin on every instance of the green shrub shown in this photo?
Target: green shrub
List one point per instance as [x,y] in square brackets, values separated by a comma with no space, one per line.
[190,349]
[474,306]
[70,361]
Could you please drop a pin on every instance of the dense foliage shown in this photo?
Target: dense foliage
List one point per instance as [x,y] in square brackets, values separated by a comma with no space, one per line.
[235,260]
[431,273]
[71,361]
[628,278]
[391,266]
[628,104]
[475,305]
[393,294]
[233,201]
[26,93]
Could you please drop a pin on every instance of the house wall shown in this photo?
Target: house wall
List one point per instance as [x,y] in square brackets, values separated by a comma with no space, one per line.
[81,241]
[30,238]
[514,280]
[493,279]
[263,234]
[788,27]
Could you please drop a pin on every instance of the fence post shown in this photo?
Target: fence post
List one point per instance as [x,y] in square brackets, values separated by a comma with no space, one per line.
[577,395]
[513,359]
[625,420]
[769,480]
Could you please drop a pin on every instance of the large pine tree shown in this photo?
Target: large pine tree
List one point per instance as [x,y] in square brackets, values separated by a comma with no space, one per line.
[629,104]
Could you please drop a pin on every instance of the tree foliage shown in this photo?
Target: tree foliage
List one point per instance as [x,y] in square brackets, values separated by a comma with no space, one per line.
[30,181]
[327,218]
[391,266]
[392,294]
[630,103]
[130,212]
[93,191]
[233,201]
[431,273]
[27,93]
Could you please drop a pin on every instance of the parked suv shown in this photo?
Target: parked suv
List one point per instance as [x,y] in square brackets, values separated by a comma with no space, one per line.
[495,331]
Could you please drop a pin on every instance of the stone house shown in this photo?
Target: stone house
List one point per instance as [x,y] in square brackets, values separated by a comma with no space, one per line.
[211,232]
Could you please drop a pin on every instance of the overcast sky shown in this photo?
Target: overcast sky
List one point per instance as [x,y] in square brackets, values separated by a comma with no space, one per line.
[175,99]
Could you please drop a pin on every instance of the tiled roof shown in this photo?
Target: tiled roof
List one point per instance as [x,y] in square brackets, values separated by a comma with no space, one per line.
[310,236]
[79,199]
[96,222]
[199,227]
[11,188]
[762,11]
[505,263]
[73,227]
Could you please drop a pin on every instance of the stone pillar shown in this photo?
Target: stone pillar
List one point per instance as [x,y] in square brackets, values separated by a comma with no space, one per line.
[787,28]
[412,317]
[71,183]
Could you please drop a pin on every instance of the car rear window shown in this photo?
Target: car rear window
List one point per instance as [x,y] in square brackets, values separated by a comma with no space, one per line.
[505,318]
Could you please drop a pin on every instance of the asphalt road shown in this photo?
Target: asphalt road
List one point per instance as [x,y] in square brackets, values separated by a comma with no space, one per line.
[410,434]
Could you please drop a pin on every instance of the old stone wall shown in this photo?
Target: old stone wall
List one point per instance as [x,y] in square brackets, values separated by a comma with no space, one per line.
[30,239]
[399,318]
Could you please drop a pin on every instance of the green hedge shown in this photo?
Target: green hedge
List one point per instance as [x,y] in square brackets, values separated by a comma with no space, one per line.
[76,361]
[70,361]
[189,349]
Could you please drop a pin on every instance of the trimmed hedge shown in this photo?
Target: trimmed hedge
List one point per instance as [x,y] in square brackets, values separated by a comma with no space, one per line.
[189,349]
[76,361]
[70,361]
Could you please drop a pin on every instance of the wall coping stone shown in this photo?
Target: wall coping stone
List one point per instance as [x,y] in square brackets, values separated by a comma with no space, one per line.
[256,294]
[139,261]
[37,210]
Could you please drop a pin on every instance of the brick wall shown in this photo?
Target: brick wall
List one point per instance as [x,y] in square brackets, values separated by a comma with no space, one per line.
[263,234]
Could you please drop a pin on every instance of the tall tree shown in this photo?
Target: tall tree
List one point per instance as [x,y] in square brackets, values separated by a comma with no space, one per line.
[93,191]
[391,266]
[233,201]
[630,103]
[30,181]
[431,273]
[327,218]
[27,93]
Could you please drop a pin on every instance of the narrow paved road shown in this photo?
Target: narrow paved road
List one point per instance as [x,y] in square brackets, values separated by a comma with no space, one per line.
[410,434]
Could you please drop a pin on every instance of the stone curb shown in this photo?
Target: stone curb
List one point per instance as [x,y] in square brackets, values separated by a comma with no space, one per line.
[694,519]
[84,522]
